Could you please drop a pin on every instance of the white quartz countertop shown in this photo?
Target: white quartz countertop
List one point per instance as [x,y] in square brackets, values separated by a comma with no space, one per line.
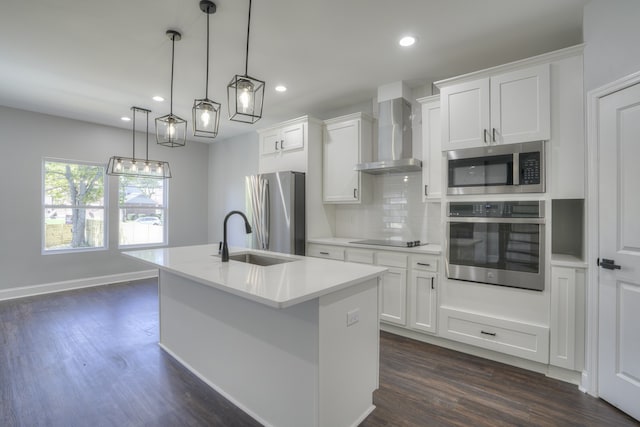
[279,286]
[348,242]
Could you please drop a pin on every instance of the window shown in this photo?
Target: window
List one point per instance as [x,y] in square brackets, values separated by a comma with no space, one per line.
[73,206]
[142,211]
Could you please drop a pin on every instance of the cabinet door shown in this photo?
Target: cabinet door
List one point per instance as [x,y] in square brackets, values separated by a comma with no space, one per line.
[292,137]
[269,142]
[393,296]
[340,151]
[431,147]
[521,106]
[562,349]
[422,297]
[465,114]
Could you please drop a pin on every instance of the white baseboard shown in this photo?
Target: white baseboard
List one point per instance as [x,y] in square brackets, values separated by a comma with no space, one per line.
[47,288]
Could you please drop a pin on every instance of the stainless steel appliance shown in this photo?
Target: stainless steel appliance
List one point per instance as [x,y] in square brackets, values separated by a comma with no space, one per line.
[509,168]
[276,208]
[395,142]
[390,242]
[499,243]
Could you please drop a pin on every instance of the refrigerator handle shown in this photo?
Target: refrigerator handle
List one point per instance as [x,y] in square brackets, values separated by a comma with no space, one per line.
[267,210]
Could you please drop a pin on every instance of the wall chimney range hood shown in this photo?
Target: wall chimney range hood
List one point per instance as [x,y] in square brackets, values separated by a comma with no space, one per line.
[395,143]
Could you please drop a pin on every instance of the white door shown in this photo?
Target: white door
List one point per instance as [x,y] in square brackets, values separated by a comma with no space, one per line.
[340,151]
[619,213]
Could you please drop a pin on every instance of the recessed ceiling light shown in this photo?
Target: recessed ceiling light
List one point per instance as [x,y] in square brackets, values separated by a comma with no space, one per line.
[125,119]
[158,98]
[407,41]
[281,88]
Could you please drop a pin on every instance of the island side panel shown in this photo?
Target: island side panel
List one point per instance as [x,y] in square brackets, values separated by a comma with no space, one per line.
[349,354]
[263,359]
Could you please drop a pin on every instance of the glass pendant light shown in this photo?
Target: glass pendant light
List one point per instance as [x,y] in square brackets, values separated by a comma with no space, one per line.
[171,130]
[245,94]
[206,113]
[131,166]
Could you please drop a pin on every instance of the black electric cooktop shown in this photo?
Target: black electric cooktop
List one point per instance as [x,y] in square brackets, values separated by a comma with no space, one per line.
[390,242]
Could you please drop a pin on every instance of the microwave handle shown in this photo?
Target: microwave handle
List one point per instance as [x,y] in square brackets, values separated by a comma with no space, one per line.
[516,168]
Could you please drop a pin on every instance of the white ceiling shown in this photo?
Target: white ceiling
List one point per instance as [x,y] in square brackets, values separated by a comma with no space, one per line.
[92,60]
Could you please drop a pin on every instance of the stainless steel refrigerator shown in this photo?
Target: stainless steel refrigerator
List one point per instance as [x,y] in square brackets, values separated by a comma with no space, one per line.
[276,210]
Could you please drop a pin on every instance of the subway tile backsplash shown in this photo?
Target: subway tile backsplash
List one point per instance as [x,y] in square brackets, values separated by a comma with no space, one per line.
[395,211]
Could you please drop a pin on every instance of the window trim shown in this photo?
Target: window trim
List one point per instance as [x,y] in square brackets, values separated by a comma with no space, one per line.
[43,206]
[165,225]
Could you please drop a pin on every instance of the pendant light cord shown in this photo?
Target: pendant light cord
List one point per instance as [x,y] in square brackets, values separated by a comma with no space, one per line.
[246,61]
[147,113]
[173,48]
[206,88]
[134,133]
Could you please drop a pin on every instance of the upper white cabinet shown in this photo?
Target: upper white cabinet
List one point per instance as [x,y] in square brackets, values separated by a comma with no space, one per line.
[431,148]
[346,141]
[506,108]
[284,146]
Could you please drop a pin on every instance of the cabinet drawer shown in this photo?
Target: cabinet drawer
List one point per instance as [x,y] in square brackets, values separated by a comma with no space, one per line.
[427,263]
[362,256]
[330,252]
[390,259]
[506,336]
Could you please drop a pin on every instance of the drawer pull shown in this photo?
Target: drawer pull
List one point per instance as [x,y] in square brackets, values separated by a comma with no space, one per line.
[432,286]
[324,253]
[492,334]
[424,264]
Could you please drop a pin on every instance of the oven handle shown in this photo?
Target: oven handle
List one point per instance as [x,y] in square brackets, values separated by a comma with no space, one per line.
[496,220]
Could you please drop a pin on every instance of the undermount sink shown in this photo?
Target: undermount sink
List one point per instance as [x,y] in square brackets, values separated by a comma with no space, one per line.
[263,260]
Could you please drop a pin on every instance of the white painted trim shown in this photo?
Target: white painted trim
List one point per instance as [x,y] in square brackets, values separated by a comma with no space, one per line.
[590,375]
[47,288]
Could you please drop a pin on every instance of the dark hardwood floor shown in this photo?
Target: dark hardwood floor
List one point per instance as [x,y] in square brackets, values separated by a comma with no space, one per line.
[90,358]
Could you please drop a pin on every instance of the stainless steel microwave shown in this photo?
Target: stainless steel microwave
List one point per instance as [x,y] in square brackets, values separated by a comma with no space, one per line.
[509,168]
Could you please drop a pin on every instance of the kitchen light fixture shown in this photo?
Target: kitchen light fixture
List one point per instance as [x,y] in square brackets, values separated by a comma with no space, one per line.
[125,119]
[131,166]
[407,41]
[281,88]
[245,94]
[171,130]
[158,98]
[206,113]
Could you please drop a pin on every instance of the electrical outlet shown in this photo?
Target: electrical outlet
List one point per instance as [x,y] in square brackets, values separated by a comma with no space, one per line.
[353,316]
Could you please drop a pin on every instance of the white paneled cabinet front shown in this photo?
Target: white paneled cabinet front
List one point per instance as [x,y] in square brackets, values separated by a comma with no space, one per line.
[393,296]
[423,298]
[346,142]
[503,109]
[283,147]
[567,318]
[431,148]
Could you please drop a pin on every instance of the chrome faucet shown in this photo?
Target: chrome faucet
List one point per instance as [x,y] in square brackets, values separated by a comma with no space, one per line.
[225,248]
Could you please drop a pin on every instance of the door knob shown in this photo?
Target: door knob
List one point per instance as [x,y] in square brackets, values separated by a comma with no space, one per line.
[608,264]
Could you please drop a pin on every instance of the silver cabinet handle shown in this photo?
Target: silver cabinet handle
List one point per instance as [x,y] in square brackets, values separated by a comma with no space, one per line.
[355,193]
[432,286]
[426,193]
[276,145]
[493,134]
[492,334]
[424,263]
[484,136]
[324,253]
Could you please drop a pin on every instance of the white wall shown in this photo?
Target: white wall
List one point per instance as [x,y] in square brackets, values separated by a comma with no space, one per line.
[230,161]
[25,139]
[612,37]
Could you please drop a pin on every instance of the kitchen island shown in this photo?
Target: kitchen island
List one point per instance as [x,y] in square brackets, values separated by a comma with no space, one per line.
[294,343]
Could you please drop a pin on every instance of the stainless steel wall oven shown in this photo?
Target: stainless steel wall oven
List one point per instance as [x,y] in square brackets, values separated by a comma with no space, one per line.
[499,243]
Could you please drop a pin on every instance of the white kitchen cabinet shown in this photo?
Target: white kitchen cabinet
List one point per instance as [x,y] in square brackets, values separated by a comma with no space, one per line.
[431,148]
[284,146]
[393,287]
[324,251]
[566,347]
[423,298]
[505,108]
[525,340]
[346,141]
[393,296]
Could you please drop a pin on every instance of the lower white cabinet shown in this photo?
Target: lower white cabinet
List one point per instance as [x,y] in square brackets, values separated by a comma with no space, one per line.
[393,296]
[566,347]
[423,299]
[324,251]
[525,340]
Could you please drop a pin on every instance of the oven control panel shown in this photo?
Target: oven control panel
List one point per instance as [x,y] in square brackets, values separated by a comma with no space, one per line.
[506,209]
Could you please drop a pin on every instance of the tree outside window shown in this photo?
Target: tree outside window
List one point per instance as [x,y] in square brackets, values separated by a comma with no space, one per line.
[73,206]
[142,211]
